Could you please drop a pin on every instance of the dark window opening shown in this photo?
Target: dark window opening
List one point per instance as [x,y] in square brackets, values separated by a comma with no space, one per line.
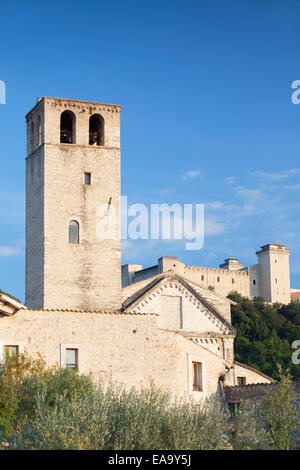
[67,128]
[96,130]
[241,381]
[73,232]
[87,178]
[254,282]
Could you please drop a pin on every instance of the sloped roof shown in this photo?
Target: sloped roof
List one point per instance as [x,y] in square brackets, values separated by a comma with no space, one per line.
[204,296]
[8,305]
[245,366]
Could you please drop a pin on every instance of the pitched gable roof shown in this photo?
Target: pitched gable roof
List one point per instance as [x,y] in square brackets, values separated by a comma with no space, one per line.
[144,289]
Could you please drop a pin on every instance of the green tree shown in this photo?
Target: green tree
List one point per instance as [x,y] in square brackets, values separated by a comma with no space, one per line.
[245,433]
[278,414]
[265,334]
[8,406]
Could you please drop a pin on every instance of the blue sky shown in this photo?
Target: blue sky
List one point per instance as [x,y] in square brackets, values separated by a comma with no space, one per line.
[207,114]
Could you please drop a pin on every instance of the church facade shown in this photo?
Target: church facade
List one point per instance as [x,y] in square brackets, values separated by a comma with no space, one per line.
[165,326]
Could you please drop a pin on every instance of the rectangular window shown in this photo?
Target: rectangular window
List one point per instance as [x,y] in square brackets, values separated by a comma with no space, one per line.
[87,178]
[10,351]
[197,376]
[72,358]
[241,380]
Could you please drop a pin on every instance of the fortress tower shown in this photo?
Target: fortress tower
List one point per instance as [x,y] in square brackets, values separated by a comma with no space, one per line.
[274,273]
[72,179]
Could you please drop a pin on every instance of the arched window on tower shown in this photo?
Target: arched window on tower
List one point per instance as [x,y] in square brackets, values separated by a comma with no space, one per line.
[39,131]
[31,136]
[73,231]
[96,130]
[67,127]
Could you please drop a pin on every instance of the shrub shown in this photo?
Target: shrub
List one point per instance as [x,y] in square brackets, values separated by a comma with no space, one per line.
[278,414]
[60,409]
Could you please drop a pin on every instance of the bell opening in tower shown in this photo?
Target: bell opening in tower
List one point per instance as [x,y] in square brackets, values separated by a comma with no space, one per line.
[96,130]
[67,128]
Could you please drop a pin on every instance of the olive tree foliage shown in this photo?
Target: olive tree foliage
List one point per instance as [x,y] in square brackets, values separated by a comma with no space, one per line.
[23,380]
[116,418]
[278,414]
[58,408]
[246,433]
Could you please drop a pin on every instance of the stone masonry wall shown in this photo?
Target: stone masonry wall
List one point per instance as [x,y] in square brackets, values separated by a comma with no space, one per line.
[129,348]
[222,280]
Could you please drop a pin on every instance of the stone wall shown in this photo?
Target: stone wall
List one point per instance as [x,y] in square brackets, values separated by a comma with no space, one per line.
[35,253]
[130,348]
[222,280]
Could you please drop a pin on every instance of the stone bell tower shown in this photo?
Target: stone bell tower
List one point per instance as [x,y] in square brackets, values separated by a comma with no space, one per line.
[72,186]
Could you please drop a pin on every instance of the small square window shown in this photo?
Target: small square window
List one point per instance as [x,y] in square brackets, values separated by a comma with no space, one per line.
[87,178]
[72,358]
[241,381]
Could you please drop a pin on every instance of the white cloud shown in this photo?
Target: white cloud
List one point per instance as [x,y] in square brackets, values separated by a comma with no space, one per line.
[252,196]
[219,205]
[191,174]
[10,250]
[215,205]
[213,228]
[276,176]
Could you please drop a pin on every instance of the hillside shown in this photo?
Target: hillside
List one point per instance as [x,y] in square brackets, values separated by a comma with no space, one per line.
[265,334]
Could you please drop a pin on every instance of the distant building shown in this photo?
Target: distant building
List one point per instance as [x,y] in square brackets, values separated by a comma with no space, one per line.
[269,278]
